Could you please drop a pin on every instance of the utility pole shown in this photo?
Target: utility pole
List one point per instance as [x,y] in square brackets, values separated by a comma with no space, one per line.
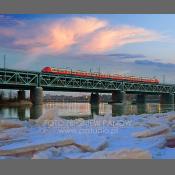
[99,69]
[91,71]
[4,62]
[5,67]
[163,79]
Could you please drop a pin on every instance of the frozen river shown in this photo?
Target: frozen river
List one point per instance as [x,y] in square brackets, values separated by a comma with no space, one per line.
[54,136]
[82,110]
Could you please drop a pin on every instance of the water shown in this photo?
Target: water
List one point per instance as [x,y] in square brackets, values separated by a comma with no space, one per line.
[81,110]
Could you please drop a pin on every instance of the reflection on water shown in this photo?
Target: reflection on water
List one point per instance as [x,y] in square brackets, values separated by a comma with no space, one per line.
[81,110]
[95,109]
[166,108]
[141,108]
[36,111]
[118,109]
[21,112]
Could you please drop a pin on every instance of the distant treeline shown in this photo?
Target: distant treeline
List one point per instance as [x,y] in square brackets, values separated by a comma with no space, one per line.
[10,96]
[85,98]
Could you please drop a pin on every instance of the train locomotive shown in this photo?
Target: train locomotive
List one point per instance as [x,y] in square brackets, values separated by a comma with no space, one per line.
[97,75]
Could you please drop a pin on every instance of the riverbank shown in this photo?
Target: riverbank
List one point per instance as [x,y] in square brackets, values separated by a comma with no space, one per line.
[7,103]
[146,136]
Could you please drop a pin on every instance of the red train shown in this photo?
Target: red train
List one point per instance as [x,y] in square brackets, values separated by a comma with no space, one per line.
[59,71]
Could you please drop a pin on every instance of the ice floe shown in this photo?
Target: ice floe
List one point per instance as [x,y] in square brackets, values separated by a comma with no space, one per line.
[103,137]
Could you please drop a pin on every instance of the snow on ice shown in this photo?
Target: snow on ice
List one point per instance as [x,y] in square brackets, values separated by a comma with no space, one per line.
[103,137]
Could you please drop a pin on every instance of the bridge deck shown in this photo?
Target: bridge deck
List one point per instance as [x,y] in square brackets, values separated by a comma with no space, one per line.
[22,79]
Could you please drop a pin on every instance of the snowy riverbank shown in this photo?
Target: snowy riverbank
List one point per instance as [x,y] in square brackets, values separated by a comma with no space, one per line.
[147,136]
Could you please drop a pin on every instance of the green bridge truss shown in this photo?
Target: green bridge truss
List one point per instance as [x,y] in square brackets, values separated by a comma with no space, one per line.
[14,79]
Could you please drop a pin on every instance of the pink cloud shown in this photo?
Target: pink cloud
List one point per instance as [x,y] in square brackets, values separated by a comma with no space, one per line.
[87,35]
[65,34]
[7,32]
[58,36]
[110,38]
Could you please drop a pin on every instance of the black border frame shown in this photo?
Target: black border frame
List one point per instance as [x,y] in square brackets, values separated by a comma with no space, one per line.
[87,6]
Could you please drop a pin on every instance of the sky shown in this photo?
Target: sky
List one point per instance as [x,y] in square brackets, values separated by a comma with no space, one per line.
[130,44]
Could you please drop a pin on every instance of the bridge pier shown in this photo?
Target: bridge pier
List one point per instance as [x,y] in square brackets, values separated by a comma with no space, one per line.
[167,98]
[94,98]
[36,95]
[21,95]
[141,99]
[118,97]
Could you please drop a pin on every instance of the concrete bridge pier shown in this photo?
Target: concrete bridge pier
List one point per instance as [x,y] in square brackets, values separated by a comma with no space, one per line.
[21,95]
[167,98]
[141,99]
[118,97]
[36,95]
[94,98]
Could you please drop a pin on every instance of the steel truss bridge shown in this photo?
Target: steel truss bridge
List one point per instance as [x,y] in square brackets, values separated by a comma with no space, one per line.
[25,80]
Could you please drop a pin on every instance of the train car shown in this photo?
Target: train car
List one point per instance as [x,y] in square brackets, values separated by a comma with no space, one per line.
[98,75]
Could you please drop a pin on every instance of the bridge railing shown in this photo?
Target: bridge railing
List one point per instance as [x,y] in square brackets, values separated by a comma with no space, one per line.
[27,79]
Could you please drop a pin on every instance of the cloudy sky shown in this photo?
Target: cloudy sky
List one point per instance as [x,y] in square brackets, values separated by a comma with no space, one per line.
[142,45]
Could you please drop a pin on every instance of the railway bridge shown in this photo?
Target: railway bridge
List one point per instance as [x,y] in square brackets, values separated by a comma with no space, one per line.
[37,82]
